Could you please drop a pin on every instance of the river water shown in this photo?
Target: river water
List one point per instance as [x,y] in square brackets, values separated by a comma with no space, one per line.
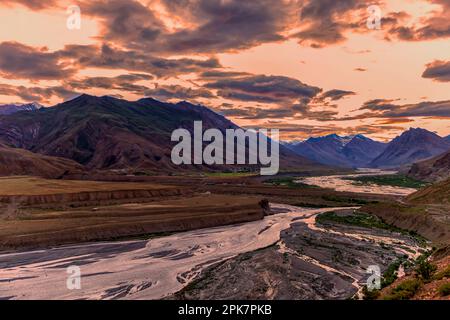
[340,183]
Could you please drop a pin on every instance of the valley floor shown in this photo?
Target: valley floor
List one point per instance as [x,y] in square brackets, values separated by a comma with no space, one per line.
[310,261]
[326,263]
[232,247]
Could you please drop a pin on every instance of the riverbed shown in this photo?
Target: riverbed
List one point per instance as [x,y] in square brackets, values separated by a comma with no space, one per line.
[343,184]
[144,269]
[149,269]
[311,261]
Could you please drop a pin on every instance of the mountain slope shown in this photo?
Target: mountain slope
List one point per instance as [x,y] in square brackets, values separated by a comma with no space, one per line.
[353,151]
[435,169]
[411,146]
[15,161]
[438,193]
[110,133]
[13,108]
[325,150]
[360,151]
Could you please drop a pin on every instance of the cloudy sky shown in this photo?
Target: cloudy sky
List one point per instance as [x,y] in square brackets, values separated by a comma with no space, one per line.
[307,67]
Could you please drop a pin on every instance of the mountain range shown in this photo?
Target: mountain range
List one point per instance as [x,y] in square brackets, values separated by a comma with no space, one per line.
[106,133]
[413,145]
[334,150]
[13,108]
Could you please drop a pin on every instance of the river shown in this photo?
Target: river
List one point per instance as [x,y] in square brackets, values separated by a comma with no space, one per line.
[341,183]
[144,269]
[156,268]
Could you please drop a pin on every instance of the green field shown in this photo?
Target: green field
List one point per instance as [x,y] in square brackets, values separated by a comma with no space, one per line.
[231,174]
[395,180]
[291,182]
[357,219]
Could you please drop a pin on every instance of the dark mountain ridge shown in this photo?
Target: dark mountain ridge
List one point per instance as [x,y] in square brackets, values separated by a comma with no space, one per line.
[110,133]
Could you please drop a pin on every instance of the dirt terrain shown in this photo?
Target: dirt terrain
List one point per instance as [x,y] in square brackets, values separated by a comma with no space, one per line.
[15,161]
[434,169]
[38,212]
[431,222]
[24,190]
[438,193]
[415,286]
[50,213]
[425,212]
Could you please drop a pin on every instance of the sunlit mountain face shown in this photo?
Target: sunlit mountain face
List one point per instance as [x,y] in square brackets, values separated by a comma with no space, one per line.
[308,68]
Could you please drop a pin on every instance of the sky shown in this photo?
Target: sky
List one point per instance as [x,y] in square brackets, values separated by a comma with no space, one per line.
[306,67]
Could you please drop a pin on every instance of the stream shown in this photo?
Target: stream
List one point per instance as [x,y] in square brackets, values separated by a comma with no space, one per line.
[341,183]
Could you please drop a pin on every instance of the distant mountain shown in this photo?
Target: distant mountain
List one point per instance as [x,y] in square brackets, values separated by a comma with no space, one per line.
[13,108]
[360,151]
[434,169]
[350,152]
[109,133]
[447,138]
[15,161]
[411,146]
[325,150]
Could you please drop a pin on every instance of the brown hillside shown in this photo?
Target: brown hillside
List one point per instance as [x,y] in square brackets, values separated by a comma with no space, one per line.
[435,169]
[14,161]
[104,133]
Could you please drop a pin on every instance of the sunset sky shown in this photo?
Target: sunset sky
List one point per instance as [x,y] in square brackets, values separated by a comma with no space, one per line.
[308,68]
